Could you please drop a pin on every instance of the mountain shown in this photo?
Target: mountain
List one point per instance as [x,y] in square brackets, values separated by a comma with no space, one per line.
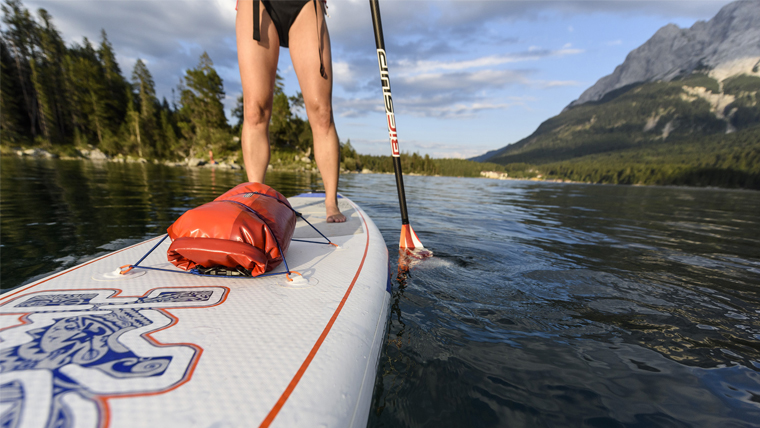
[728,44]
[684,104]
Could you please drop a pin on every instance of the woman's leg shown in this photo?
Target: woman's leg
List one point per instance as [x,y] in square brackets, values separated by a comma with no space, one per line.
[317,96]
[258,68]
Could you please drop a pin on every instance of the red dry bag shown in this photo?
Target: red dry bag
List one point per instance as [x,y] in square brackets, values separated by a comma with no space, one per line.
[242,227]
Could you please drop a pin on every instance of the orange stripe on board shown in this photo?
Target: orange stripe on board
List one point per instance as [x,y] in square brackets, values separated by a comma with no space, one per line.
[305,365]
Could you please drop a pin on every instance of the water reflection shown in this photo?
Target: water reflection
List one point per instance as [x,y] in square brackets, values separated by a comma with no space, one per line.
[56,214]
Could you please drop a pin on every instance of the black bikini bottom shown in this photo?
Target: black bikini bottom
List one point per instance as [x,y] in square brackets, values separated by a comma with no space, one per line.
[284,14]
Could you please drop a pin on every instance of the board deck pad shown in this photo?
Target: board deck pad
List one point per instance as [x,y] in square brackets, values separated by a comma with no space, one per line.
[88,347]
[314,211]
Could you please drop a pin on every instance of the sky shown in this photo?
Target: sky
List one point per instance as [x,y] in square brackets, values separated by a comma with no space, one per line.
[467,76]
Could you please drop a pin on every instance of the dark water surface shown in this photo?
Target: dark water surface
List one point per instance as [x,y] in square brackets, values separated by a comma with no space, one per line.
[546,305]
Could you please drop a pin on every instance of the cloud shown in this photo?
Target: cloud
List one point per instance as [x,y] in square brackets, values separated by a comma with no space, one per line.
[556,83]
[344,74]
[438,149]
[459,104]
[454,11]
[534,53]
[419,107]
[453,95]
[614,43]
[447,89]
[435,148]
[482,80]
[438,106]
[357,107]
[148,27]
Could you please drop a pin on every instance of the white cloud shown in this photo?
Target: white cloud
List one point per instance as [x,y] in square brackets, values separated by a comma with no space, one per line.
[343,74]
[461,110]
[534,53]
[556,83]
[438,149]
[471,81]
[452,11]
[357,107]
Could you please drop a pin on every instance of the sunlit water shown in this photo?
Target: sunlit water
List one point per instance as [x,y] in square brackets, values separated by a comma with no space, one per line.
[545,305]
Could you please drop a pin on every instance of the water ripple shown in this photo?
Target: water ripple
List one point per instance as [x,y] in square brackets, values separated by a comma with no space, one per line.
[545,305]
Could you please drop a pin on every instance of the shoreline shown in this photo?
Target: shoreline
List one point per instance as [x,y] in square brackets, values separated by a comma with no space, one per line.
[301,164]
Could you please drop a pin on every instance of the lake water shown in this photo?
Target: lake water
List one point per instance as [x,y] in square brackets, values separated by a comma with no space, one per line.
[545,305]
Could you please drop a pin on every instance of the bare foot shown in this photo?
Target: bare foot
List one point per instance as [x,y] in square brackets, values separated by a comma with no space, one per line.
[334,215]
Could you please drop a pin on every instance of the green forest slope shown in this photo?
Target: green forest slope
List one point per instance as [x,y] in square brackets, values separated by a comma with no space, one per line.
[691,131]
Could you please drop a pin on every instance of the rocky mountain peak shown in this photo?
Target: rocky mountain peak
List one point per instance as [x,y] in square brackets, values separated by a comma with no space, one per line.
[726,45]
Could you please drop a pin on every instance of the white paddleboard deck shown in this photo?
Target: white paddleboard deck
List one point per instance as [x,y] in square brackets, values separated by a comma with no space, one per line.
[90,348]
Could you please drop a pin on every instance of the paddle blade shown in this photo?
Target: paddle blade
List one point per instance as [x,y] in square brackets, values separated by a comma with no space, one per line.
[408,259]
[409,239]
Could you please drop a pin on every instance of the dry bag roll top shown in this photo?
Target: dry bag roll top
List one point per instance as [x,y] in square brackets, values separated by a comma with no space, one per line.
[249,226]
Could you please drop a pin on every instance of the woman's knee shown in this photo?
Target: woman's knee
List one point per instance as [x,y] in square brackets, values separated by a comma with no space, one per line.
[320,117]
[257,115]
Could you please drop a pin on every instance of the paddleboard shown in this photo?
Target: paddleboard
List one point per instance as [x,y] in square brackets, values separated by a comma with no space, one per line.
[89,347]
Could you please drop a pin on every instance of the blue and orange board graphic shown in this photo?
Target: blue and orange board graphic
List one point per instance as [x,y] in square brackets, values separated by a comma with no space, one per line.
[73,350]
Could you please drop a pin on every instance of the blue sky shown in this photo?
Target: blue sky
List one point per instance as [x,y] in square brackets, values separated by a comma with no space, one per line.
[467,76]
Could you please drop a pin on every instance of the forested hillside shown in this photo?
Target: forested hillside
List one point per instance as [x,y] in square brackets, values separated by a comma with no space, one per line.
[695,130]
[66,97]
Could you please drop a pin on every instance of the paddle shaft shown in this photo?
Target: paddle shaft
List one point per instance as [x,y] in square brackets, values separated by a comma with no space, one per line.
[388,99]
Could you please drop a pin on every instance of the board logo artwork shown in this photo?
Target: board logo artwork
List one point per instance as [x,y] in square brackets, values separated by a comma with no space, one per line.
[78,348]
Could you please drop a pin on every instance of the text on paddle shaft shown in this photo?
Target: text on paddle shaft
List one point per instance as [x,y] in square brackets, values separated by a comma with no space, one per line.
[386,81]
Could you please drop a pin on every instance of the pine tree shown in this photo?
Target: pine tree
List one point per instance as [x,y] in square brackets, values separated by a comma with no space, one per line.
[168,135]
[11,114]
[21,37]
[45,108]
[132,123]
[54,85]
[97,93]
[116,101]
[280,127]
[287,130]
[201,95]
[146,96]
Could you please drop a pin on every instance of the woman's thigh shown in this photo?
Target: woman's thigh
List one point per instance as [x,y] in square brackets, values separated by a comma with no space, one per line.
[257,60]
[308,30]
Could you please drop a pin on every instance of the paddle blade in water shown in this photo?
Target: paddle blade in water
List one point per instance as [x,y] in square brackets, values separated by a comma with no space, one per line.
[408,259]
[409,239]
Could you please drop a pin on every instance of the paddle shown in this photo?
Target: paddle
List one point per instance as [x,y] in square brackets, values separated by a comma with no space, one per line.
[409,240]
